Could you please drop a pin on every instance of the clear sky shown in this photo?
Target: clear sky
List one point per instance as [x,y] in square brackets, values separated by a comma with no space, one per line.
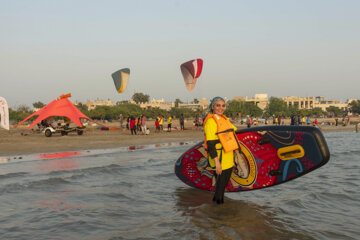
[283,48]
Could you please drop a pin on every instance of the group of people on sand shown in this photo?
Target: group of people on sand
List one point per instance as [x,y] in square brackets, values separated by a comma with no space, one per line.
[159,123]
[344,122]
[136,125]
[297,120]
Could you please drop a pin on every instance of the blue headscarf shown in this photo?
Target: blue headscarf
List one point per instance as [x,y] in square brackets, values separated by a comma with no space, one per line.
[210,108]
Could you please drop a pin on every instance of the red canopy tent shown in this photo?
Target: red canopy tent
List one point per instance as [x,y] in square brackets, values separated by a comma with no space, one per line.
[61,107]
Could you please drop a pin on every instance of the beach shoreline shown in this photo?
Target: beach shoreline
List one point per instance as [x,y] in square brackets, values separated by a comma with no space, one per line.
[19,141]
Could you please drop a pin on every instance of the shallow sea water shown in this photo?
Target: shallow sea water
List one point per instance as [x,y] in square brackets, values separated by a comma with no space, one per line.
[134,194]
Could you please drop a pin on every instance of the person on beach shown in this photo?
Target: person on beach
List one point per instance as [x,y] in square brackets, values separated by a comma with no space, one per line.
[248,121]
[169,123]
[138,124]
[132,125]
[157,125]
[161,121]
[220,144]
[67,122]
[121,119]
[143,124]
[182,122]
[196,124]
[128,122]
[292,120]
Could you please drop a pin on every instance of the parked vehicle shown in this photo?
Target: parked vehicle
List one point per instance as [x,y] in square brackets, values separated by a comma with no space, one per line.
[49,131]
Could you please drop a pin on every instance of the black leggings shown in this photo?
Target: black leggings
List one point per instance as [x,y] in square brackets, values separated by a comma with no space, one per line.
[222,181]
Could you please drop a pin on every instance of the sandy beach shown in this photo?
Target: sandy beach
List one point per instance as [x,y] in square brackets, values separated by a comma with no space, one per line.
[19,141]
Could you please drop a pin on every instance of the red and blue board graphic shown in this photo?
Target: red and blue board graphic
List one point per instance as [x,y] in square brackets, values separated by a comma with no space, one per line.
[273,154]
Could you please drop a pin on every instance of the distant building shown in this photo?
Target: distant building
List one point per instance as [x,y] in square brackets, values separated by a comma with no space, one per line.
[323,104]
[314,102]
[157,104]
[201,105]
[204,103]
[192,106]
[93,104]
[260,100]
[300,102]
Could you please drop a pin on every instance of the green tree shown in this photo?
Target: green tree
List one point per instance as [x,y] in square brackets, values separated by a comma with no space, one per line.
[234,107]
[177,102]
[23,108]
[334,110]
[140,97]
[82,107]
[196,101]
[38,104]
[21,112]
[176,112]
[253,110]
[294,110]
[276,107]
[154,112]
[355,106]
[100,112]
[317,112]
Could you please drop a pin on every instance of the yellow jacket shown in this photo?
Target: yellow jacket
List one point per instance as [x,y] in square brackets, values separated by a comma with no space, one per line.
[218,127]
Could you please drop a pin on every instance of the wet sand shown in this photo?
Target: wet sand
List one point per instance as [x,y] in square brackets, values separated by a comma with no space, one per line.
[20,141]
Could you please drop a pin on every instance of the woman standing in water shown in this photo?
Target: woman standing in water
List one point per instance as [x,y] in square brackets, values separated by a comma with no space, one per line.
[220,145]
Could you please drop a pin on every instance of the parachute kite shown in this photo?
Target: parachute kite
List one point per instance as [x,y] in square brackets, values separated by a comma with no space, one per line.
[191,71]
[121,79]
[4,113]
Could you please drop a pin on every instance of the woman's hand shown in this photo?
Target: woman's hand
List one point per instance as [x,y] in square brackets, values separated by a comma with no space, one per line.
[218,166]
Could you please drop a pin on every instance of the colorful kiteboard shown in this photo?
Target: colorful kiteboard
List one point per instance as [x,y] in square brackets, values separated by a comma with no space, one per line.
[274,155]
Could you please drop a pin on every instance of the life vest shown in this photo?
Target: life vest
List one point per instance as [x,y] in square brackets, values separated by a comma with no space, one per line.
[225,133]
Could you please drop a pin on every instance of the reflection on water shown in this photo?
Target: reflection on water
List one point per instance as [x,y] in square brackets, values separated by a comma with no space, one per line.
[59,155]
[236,219]
[59,165]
